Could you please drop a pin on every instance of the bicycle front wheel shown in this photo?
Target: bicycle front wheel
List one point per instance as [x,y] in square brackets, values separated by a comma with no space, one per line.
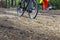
[32,9]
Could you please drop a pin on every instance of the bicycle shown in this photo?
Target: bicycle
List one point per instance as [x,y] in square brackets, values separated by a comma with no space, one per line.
[23,6]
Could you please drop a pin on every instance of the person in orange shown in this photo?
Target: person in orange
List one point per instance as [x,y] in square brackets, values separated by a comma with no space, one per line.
[45,4]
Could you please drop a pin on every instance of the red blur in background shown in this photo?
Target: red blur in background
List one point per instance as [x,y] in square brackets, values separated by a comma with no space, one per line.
[45,4]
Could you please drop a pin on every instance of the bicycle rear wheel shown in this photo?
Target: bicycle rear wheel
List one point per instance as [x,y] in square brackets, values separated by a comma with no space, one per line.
[32,12]
[20,10]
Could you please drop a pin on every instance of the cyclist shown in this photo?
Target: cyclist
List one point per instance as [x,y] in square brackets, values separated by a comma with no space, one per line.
[45,4]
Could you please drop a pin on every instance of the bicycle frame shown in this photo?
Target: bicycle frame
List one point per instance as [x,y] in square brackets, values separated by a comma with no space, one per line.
[25,7]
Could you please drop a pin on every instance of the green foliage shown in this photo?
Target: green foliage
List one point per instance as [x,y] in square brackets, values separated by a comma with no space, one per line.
[57,3]
[11,3]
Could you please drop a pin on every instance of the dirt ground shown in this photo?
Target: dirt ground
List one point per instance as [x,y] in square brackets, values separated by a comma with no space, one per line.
[44,27]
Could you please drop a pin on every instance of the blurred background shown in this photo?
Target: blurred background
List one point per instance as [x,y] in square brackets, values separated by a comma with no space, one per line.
[14,3]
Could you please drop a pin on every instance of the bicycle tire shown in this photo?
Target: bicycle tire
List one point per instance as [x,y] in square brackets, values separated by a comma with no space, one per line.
[31,14]
[20,11]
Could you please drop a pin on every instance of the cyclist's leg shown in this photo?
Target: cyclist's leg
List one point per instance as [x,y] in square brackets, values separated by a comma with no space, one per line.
[26,0]
[31,5]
